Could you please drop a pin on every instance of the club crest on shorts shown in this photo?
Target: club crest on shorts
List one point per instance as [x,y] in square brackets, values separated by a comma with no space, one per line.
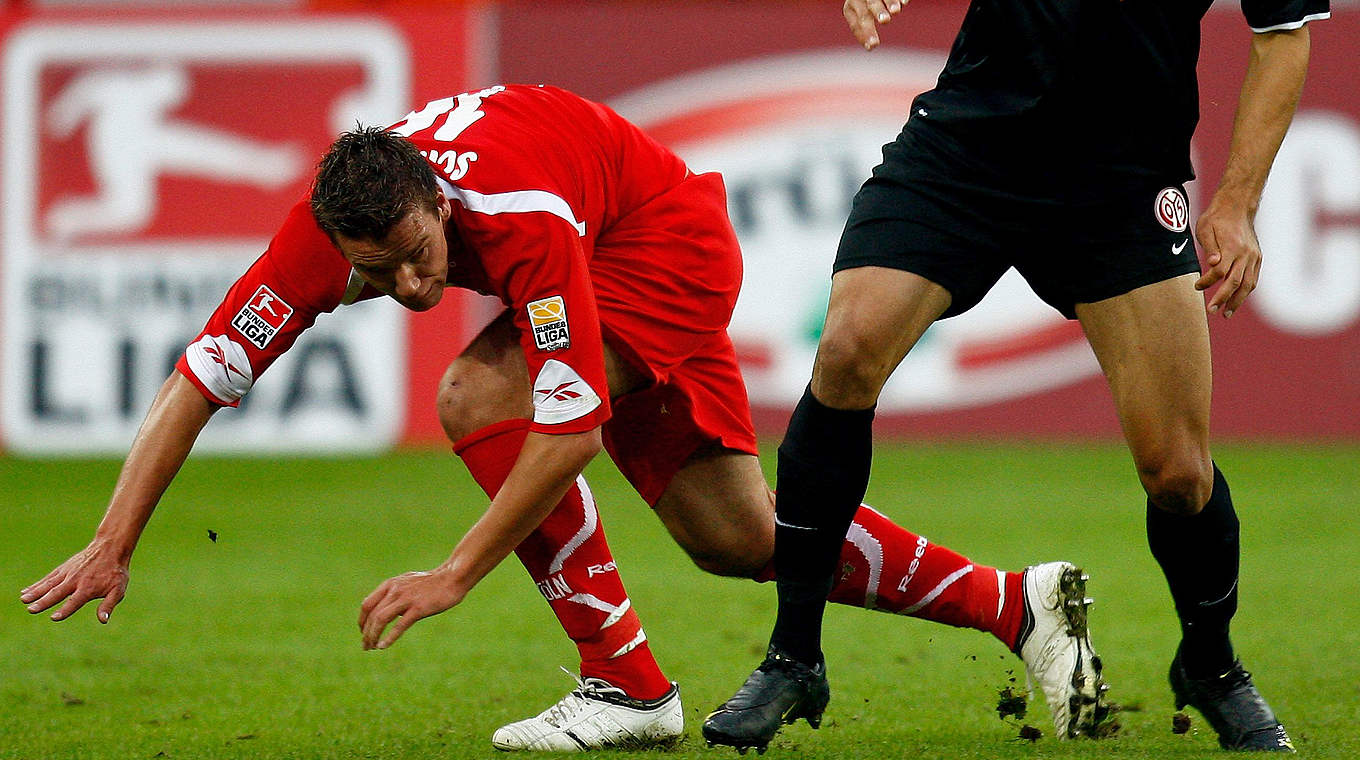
[262,317]
[1172,211]
[548,320]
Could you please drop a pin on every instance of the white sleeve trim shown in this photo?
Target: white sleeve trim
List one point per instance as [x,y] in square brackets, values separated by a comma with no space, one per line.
[1291,25]
[514,202]
[221,364]
[560,395]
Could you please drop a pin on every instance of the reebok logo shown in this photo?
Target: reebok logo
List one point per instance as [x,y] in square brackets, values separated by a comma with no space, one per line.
[562,392]
[561,395]
[921,544]
[215,354]
[594,570]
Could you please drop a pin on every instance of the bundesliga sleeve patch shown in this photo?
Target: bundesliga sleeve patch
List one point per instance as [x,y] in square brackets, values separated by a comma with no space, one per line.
[263,316]
[560,395]
[548,320]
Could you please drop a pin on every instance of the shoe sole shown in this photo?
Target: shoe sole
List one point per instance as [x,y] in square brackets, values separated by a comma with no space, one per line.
[1087,706]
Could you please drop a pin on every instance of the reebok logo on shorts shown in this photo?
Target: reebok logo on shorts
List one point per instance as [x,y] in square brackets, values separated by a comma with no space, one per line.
[548,320]
[262,317]
[1172,210]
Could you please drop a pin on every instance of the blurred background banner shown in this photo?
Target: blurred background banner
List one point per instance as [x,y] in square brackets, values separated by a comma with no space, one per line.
[148,155]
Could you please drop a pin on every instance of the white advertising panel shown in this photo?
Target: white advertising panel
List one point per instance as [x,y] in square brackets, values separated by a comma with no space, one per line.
[145,166]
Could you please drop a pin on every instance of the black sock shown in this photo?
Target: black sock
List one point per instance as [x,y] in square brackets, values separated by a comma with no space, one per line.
[823,473]
[1199,556]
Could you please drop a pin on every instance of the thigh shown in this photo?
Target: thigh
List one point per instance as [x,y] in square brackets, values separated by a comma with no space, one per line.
[701,404]
[1153,346]
[720,510]
[946,234]
[874,317]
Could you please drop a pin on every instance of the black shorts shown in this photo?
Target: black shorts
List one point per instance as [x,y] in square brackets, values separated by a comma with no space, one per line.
[964,237]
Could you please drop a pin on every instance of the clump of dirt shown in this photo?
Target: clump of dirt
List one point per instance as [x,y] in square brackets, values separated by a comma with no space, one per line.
[1180,723]
[1012,701]
[1030,733]
[1106,728]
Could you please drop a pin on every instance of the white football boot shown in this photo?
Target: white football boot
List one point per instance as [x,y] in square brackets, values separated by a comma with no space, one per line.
[596,715]
[1055,645]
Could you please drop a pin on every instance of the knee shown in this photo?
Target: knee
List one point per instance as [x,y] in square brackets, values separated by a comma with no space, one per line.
[737,549]
[470,398]
[1179,484]
[847,374]
[740,560]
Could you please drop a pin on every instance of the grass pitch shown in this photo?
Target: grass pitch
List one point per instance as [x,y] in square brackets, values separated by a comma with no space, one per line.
[246,647]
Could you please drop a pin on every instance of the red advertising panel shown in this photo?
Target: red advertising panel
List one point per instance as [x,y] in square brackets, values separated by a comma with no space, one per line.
[784,103]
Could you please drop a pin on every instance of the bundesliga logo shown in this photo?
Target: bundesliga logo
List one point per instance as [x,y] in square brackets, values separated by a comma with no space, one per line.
[548,319]
[262,317]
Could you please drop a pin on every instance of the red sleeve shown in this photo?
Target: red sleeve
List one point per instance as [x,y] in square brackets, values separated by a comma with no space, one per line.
[536,263]
[300,276]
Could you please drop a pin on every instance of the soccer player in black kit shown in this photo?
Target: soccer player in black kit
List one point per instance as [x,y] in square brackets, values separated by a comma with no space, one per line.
[1057,141]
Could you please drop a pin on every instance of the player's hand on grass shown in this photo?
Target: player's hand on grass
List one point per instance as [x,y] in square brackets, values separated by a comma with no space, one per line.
[403,600]
[864,16]
[1232,257]
[99,571]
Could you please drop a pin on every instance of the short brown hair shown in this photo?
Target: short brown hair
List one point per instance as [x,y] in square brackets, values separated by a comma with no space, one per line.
[369,180]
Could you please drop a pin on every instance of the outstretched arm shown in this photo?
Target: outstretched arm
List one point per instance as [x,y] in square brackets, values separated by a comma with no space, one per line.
[546,468]
[1227,228]
[100,570]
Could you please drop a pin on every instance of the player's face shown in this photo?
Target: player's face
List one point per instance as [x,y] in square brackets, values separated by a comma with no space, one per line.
[411,264]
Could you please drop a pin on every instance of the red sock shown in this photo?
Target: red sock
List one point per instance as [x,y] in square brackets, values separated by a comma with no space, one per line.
[569,560]
[887,567]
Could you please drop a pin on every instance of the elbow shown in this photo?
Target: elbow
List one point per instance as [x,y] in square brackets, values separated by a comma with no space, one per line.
[588,445]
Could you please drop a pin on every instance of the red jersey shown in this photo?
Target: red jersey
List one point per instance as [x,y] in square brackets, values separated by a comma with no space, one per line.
[536,177]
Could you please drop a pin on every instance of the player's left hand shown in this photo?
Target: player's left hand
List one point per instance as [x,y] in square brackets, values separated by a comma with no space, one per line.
[1232,257]
[402,601]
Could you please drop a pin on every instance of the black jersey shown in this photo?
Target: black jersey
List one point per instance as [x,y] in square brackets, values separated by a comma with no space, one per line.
[1074,94]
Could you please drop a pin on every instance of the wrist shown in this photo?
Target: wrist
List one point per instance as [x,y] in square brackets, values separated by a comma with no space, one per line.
[454,577]
[1234,200]
[114,542]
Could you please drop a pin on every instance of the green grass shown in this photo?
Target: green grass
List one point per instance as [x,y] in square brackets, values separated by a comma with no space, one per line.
[247,647]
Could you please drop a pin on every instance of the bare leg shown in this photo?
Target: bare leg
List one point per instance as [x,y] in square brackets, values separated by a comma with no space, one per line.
[1153,345]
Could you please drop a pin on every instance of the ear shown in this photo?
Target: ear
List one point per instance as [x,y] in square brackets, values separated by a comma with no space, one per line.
[442,205]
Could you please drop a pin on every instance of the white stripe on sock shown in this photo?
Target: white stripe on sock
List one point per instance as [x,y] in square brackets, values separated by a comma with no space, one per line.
[630,646]
[1000,593]
[950,580]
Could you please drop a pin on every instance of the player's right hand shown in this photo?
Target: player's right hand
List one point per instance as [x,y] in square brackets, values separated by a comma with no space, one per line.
[96,572]
[864,16]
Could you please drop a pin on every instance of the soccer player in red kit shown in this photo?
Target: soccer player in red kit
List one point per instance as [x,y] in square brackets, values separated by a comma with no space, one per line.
[619,270]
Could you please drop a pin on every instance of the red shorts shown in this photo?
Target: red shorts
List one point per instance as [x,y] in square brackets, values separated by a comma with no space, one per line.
[701,402]
[666,279]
